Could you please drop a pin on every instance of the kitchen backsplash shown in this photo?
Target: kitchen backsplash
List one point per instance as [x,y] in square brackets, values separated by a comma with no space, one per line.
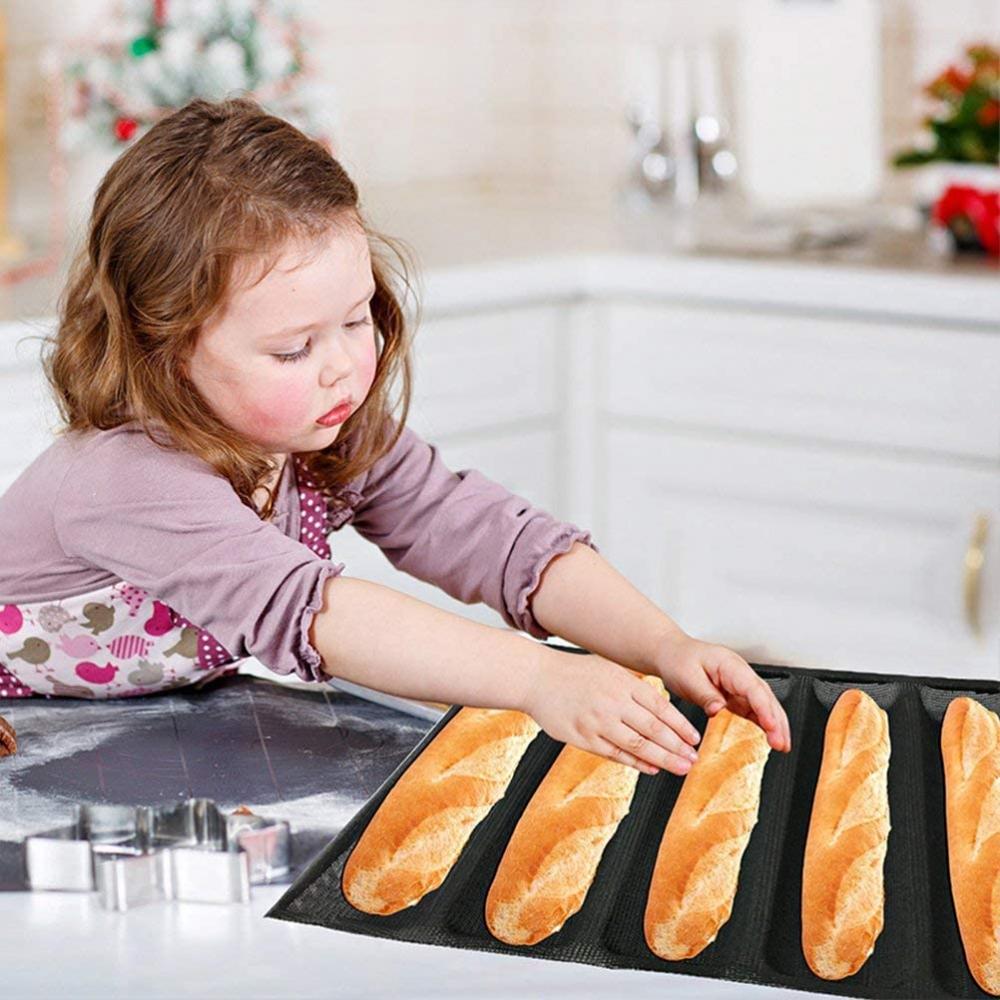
[481,91]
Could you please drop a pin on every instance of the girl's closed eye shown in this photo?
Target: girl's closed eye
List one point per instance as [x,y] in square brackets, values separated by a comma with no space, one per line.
[304,353]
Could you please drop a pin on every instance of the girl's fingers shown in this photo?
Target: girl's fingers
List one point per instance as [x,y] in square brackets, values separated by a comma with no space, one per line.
[782,728]
[743,680]
[608,749]
[637,745]
[657,732]
[739,704]
[664,709]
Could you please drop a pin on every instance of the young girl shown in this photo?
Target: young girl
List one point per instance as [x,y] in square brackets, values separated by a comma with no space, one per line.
[226,344]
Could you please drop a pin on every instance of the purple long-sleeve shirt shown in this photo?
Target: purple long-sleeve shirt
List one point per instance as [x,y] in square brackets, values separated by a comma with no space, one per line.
[107,506]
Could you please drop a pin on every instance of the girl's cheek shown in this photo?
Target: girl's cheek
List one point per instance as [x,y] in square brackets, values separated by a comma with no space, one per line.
[279,409]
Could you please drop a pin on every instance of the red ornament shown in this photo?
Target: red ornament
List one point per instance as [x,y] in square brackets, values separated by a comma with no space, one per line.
[980,208]
[125,128]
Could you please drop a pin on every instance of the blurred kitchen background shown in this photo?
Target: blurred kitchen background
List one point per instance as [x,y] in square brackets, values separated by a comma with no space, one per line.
[684,275]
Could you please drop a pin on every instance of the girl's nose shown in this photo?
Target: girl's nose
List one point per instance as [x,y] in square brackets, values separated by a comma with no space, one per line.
[337,365]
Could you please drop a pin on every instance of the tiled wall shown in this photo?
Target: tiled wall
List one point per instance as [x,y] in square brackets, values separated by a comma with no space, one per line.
[496,91]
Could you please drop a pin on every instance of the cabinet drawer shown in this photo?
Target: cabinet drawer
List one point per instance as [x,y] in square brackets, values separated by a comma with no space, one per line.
[806,556]
[491,367]
[844,380]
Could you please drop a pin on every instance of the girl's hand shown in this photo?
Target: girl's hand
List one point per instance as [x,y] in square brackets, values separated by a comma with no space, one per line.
[597,705]
[715,677]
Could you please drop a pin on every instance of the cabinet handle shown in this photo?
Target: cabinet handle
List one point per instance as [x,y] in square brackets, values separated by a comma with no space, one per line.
[975,557]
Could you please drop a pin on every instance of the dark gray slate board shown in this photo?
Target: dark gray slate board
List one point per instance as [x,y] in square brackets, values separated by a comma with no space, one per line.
[310,757]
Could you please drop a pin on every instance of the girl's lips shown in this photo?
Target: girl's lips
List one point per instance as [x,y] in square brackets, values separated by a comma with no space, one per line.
[336,416]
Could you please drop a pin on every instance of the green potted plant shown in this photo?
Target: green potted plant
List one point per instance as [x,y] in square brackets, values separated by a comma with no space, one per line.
[959,158]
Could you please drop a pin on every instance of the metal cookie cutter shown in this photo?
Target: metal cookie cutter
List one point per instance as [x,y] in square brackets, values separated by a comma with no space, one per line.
[140,854]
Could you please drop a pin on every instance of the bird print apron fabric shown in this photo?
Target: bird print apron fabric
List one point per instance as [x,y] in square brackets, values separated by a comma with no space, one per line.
[119,641]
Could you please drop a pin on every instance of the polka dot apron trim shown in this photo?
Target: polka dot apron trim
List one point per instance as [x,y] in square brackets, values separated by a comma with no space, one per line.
[119,641]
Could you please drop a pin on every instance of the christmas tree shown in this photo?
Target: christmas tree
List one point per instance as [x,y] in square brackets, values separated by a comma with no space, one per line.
[150,57]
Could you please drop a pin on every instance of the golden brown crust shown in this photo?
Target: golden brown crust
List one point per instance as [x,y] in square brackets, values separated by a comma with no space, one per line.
[421,826]
[843,892]
[970,748]
[697,866]
[8,738]
[552,856]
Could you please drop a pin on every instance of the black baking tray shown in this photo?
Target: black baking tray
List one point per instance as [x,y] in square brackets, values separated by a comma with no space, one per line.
[918,954]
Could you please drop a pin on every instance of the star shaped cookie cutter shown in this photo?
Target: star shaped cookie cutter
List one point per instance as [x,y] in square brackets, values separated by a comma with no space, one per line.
[132,855]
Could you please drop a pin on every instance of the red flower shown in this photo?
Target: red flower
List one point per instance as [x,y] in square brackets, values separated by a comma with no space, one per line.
[989,113]
[952,82]
[957,78]
[980,208]
[125,128]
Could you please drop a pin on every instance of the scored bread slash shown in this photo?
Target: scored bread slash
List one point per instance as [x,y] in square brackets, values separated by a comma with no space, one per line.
[843,892]
[8,738]
[698,862]
[552,856]
[425,820]
[970,747]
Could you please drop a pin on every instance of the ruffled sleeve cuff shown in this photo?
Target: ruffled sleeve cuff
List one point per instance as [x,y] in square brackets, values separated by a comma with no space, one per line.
[532,552]
[310,664]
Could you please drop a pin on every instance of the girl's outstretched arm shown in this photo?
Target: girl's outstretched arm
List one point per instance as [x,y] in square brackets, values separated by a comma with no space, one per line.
[382,638]
[584,599]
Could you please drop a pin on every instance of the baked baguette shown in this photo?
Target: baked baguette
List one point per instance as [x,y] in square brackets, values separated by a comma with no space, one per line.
[970,746]
[697,866]
[552,856]
[843,892]
[421,826]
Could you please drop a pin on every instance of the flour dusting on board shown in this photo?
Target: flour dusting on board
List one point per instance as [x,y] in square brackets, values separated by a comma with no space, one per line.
[309,757]
[47,734]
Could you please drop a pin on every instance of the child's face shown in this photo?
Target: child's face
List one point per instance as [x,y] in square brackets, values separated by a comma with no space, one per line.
[275,402]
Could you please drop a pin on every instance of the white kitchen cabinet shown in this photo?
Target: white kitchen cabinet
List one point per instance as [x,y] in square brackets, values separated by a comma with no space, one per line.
[834,378]
[794,555]
[803,489]
[486,369]
[791,467]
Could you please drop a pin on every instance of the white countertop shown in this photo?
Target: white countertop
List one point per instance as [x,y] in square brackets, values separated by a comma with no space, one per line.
[512,246]
[66,944]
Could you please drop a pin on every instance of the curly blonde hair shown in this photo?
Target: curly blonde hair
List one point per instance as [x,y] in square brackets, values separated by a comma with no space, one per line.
[209,189]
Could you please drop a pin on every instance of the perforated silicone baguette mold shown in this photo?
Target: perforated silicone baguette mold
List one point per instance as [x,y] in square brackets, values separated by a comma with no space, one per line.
[756,945]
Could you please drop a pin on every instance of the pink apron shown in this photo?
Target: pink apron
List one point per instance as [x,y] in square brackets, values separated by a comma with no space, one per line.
[119,641]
